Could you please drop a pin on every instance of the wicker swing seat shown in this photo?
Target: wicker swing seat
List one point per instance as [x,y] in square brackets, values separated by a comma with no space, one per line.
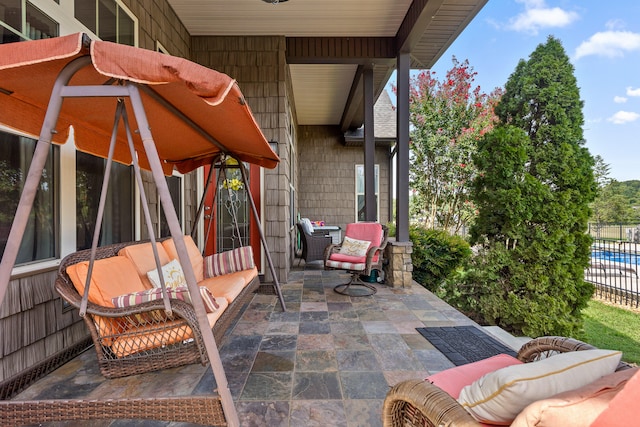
[143,338]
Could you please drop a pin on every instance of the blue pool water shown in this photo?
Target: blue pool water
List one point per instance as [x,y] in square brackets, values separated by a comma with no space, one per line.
[615,256]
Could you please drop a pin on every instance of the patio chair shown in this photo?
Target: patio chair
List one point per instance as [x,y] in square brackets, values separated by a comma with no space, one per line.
[360,252]
[435,401]
[313,244]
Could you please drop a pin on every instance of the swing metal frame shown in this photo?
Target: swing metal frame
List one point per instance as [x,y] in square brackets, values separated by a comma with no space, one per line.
[210,410]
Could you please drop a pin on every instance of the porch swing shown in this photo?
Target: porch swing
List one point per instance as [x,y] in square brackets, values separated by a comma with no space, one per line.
[172,96]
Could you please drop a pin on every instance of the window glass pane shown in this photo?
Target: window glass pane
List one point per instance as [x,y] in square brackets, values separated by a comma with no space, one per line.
[39,241]
[39,25]
[360,199]
[85,12]
[117,224]
[107,29]
[175,189]
[126,28]
[9,36]
[376,178]
[11,13]
[359,179]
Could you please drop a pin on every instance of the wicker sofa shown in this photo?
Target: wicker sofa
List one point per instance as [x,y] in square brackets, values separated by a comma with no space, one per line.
[142,337]
[423,403]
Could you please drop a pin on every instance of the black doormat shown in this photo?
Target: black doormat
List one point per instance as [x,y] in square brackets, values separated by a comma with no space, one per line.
[464,344]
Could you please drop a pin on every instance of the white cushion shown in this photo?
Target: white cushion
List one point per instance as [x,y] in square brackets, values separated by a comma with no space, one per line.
[306,225]
[354,247]
[498,397]
[172,274]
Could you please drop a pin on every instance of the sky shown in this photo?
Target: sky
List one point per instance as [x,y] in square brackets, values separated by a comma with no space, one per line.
[602,40]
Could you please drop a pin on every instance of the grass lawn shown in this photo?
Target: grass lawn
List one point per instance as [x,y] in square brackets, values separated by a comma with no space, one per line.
[613,328]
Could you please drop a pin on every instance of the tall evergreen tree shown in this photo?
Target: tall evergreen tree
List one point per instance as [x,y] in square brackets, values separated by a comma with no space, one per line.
[533,191]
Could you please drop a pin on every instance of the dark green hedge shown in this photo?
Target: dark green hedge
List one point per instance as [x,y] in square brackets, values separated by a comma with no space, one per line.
[436,255]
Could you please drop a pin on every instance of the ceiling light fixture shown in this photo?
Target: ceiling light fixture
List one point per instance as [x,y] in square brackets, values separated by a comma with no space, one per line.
[274,1]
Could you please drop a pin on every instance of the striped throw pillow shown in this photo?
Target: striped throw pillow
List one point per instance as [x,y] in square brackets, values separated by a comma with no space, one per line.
[229,262]
[180,292]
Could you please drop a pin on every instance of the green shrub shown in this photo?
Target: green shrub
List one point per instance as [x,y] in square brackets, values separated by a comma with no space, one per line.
[436,255]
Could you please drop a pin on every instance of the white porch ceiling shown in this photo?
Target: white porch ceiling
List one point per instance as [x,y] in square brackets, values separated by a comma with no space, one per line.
[294,18]
[321,90]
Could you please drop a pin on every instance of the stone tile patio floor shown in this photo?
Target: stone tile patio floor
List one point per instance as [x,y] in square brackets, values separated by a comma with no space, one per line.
[329,360]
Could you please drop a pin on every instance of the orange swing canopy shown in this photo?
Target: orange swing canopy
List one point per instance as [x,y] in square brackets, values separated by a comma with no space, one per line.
[194,113]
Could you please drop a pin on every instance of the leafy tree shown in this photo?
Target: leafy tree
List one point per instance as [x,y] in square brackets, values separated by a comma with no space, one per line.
[629,189]
[447,119]
[610,205]
[601,172]
[533,191]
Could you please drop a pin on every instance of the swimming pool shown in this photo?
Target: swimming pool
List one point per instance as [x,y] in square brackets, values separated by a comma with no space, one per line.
[621,257]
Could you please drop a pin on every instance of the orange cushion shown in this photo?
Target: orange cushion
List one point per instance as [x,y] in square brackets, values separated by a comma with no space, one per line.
[195,256]
[142,257]
[228,285]
[247,275]
[222,304]
[623,410]
[454,379]
[108,327]
[110,277]
[579,407]
[146,338]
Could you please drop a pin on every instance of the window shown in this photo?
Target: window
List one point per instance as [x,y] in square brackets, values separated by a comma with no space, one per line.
[360,192]
[41,234]
[33,24]
[118,223]
[175,189]
[68,197]
[108,19]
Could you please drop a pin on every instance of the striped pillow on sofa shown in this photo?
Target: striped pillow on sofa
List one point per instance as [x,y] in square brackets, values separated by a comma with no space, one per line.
[228,262]
[180,292]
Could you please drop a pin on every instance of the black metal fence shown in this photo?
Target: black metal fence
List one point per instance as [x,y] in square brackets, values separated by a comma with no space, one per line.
[614,269]
[614,231]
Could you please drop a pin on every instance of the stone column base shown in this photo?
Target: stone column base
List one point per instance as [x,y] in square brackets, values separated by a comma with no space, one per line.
[398,269]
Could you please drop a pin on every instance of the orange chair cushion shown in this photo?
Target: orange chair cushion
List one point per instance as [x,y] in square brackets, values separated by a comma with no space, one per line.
[623,410]
[579,407]
[147,338]
[228,286]
[195,256]
[142,257]
[110,277]
[247,275]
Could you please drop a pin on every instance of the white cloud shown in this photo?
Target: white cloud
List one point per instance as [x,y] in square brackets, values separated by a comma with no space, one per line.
[615,24]
[619,99]
[609,43]
[633,92]
[538,15]
[622,117]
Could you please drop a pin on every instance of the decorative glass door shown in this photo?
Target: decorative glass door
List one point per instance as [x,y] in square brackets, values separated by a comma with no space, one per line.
[232,211]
